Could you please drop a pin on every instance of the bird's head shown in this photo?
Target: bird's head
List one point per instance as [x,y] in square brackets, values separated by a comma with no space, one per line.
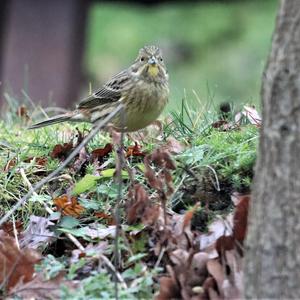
[149,64]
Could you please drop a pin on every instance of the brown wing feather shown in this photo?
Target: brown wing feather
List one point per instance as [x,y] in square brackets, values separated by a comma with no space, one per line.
[110,92]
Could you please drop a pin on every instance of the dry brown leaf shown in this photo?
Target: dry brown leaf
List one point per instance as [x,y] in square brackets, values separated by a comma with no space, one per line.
[168,289]
[154,181]
[38,288]
[68,206]
[135,151]
[217,271]
[40,161]
[10,164]
[209,284]
[234,290]
[61,151]
[140,208]
[224,243]
[102,152]
[8,227]
[179,256]
[139,200]
[107,217]
[240,218]
[188,216]
[15,265]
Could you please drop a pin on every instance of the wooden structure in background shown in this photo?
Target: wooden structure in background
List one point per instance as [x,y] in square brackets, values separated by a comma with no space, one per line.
[41,46]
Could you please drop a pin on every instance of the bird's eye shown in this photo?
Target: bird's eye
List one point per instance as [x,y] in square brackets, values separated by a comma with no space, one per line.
[160,59]
[143,58]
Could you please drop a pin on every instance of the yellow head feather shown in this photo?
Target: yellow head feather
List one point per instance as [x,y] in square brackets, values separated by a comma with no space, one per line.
[153,70]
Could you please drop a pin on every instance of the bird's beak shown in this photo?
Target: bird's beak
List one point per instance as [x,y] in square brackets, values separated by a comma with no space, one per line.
[152,61]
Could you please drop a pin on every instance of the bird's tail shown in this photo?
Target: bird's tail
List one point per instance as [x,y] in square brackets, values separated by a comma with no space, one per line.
[57,119]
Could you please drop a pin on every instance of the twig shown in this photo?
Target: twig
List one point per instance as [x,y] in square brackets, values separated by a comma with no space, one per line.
[113,269]
[63,165]
[75,241]
[161,254]
[16,233]
[217,186]
[28,183]
[50,211]
[120,156]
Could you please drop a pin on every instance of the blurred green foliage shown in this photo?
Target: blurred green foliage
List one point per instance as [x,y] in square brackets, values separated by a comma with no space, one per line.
[217,49]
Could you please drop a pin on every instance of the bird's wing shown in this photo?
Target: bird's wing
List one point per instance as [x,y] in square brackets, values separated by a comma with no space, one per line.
[110,92]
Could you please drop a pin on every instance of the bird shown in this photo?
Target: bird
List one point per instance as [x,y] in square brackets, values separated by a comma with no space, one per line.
[143,89]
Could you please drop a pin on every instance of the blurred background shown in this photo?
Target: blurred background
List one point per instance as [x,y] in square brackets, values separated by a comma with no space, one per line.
[55,52]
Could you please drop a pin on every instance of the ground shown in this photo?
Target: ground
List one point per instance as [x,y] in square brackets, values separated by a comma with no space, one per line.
[181,183]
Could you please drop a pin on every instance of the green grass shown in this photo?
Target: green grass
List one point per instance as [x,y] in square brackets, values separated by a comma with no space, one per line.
[217,49]
[210,159]
[231,154]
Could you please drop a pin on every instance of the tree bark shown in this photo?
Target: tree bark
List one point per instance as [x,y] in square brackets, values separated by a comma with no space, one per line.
[272,267]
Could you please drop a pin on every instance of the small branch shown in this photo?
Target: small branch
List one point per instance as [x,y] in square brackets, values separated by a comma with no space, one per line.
[217,186]
[63,165]
[161,254]
[113,269]
[28,183]
[119,166]
[16,233]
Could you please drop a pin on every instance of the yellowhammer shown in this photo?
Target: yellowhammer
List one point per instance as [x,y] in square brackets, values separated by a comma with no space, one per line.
[142,89]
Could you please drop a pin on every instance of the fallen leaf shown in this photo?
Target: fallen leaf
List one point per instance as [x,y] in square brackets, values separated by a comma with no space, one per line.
[8,227]
[39,288]
[240,218]
[233,286]
[224,243]
[108,218]
[252,115]
[188,216]
[15,265]
[217,271]
[97,232]
[168,289]
[10,164]
[139,201]
[154,181]
[210,285]
[37,233]
[198,264]
[135,151]
[62,151]
[101,152]
[68,206]
[215,230]
[179,256]
[40,161]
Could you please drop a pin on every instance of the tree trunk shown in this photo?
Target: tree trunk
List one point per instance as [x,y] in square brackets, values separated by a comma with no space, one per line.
[272,267]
